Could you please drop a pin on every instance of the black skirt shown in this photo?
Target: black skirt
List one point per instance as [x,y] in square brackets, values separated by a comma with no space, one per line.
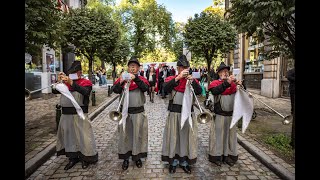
[152,83]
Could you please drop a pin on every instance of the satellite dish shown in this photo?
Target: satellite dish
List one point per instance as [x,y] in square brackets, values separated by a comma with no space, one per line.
[27,58]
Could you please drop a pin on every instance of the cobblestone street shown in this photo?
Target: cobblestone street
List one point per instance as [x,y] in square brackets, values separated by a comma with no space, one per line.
[109,166]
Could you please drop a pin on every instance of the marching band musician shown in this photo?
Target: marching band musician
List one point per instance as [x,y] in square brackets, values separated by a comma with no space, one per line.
[75,137]
[180,144]
[133,131]
[222,139]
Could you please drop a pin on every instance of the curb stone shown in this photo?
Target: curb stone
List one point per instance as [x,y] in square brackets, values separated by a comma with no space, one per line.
[265,159]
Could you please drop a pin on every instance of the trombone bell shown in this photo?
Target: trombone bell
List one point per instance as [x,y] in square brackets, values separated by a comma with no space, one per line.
[27,94]
[286,120]
[204,117]
[115,115]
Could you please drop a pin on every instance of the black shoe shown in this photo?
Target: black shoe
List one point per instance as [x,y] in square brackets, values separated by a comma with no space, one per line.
[84,164]
[186,169]
[218,163]
[229,162]
[71,164]
[172,169]
[125,164]
[139,163]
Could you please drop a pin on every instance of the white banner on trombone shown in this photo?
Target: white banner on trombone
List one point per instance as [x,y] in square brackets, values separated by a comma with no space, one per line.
[243,108]
[63,89]
[186,108]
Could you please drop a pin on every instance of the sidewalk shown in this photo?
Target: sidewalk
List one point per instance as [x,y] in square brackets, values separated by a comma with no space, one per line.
[267,157]
[40,126]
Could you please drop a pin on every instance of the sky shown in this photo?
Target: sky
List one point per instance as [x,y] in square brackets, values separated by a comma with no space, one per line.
[183,9]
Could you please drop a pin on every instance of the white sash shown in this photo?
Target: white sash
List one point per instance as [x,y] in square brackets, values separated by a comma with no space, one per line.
[63,89]
[125,107]
[186,105]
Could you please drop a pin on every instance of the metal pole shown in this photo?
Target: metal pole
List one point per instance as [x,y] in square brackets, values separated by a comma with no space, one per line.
[263,103]
[93,97]
[58,115]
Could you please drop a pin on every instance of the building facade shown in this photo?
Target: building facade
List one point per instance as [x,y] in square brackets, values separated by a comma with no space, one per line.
[41,71]
[268,76]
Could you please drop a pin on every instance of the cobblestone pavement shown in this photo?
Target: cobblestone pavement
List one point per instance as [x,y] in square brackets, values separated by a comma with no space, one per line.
[40,121]
[109,166]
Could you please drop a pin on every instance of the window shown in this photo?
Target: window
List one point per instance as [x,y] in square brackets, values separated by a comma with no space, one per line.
[50,63]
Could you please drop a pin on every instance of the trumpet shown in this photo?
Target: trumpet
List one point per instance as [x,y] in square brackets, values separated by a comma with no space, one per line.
[203,117]
[117,115]
[286,119]
[28,93]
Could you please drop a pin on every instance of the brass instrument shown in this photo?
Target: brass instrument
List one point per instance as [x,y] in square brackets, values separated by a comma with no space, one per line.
[117,115]
[286,118]
[28,93]
[203,117]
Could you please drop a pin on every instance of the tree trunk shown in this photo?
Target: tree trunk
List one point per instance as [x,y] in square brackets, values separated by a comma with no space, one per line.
[208,75]
[90,69]
[114,72]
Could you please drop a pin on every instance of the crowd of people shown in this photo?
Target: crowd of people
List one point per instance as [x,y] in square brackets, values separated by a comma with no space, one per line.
[76,140]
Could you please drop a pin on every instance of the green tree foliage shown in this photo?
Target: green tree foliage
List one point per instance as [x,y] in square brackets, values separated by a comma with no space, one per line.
[178,39]
[90,31]
[273,20]
[148,25]
[208,33]
[158,55]
[216,8]
[118,56]
[43,25]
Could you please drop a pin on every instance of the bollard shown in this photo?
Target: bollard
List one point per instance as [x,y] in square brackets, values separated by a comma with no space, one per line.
[58,115]
[207,94]
[93,98]
[109,91]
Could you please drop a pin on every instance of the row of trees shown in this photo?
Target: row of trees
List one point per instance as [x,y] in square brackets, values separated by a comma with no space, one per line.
[100,29]
[146,29]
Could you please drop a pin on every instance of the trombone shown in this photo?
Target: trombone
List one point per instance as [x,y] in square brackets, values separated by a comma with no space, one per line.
[286,118]
[28,93]
[117,115]
[203,117]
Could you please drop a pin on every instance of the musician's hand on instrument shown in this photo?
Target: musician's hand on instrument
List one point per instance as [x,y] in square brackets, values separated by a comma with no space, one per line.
[132,76]
[183,74]
[239,82]
[231,78]
[121,80]
[60,76]
[250,95]
[68,80]
[189,77]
